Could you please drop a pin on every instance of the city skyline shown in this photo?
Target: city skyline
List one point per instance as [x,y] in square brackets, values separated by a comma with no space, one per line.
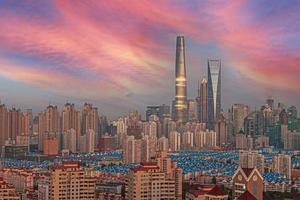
[79,54]
[149,99]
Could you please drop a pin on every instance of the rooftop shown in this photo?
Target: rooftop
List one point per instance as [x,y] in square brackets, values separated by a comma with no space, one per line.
[247,171]
[247,196]
[216,191]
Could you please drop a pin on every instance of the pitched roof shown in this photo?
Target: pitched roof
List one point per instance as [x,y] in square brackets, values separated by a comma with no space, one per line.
[216,191]
[247,196]
[197,193]
[201,190]
[247,171]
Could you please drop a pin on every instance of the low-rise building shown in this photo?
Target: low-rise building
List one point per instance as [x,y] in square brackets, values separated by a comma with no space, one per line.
[206,192]
[7,191]
[247,179]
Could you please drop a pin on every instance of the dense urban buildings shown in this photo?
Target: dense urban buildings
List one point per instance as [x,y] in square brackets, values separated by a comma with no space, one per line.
[155,180]
[190,149]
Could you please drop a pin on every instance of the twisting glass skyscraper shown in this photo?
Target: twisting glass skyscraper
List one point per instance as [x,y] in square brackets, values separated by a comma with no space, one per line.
[214,91]
[181,91]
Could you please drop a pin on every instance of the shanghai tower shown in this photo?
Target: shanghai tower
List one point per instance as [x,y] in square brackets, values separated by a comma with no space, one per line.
[181,91]
[214,91]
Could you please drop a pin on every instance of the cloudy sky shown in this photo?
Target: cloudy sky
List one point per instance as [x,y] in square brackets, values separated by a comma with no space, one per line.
[120,55]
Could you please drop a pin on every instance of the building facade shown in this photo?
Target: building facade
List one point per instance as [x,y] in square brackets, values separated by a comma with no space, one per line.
[154,181]
[180,104]
[69,181]
[247,179]
[214,91]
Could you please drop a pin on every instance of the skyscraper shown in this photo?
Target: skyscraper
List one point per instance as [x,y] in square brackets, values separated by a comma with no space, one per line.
[239,113]
[191,110]
[202,101]
[220,129]
[48,122]
[3,124]
[283,165]
[90,120]
[214,91]
[71,120]
[181,91]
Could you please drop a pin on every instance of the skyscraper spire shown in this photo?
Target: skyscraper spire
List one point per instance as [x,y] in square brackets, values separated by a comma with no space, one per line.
[181,91]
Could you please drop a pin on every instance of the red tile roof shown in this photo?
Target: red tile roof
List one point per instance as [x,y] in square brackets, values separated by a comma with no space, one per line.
[149,164]
[66,165]
[247,196]
[247,171]
[216,191]
[197,193]
[209,189]
[145,166]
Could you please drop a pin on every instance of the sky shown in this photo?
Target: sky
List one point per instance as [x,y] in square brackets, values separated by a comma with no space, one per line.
[120,55]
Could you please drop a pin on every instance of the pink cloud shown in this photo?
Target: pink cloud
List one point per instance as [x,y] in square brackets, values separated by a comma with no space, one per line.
[108,42]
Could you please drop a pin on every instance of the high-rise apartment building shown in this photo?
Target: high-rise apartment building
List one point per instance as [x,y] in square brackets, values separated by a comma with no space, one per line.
[50,146]
[283,165]
[168,126]
[254,123]
[87,142]
[48,123]
[90,120]
[134,128]
[138,150]
[71,120]
[221,130]
[239,113]
[180,105]
[251,159]
[121,125]
[13,124]
[214,91]
[69,140]
[291,140]
[187,140]
[163,144]
[3,124]
[205,139]
[164,111]
[155,180]
[243,141]
[174,141]
[7,191]
[150,129]
[21,179]
[69,181]
[191,110]
[151,110]
[161,111]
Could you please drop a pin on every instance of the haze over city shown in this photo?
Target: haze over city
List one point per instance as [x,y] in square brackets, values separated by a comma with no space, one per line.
[121,57]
